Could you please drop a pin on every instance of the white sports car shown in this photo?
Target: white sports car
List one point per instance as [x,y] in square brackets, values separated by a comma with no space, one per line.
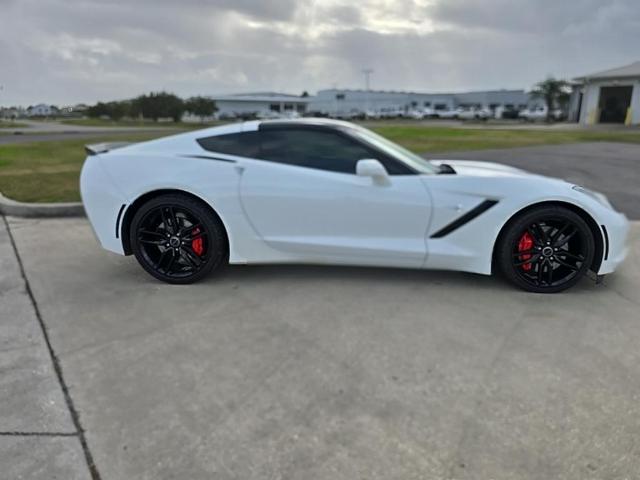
[330,192]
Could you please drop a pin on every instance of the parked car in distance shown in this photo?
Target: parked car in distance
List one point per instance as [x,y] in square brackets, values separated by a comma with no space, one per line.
[226,116]
[353,114]
[448,114]
[290,114]
[539,114]
[268,115]
[421,113]
[474,114]
[372,114]
[391,112]
[506,113]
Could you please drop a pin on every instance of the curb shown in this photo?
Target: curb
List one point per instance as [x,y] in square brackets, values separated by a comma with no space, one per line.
[40,210]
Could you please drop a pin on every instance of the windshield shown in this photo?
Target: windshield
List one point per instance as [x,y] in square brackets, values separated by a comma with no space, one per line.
[394,150]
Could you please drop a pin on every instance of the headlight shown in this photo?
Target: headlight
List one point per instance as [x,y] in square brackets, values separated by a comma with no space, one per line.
[598,197]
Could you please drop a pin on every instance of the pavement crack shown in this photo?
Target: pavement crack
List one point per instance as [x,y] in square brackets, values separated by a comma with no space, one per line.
[57,366]
[625,297]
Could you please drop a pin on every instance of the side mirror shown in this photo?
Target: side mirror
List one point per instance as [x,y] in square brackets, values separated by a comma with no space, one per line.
[374,169]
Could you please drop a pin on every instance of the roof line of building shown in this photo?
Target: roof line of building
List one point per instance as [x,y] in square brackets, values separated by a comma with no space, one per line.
[410,92]
[625,71]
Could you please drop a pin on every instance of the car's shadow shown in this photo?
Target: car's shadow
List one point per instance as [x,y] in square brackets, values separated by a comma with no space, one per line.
[303,274]
[314,274]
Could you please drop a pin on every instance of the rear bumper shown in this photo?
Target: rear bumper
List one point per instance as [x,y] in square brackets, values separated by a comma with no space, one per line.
[103,203]
[615,232]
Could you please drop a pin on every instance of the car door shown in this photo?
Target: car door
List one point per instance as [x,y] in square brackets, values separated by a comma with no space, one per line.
[303,197]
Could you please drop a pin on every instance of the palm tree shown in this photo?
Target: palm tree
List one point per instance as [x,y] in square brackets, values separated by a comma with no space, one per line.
[555,92]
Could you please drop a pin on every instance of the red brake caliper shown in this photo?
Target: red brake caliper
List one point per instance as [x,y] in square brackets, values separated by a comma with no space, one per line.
[196,244]
[525,243]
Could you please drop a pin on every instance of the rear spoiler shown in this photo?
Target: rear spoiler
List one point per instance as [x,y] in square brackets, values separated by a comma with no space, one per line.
[97,148]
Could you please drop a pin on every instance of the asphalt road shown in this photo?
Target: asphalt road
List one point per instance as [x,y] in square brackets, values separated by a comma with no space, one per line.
[42,127]
[40,131]
[48,137]
[611,168]
[308,372]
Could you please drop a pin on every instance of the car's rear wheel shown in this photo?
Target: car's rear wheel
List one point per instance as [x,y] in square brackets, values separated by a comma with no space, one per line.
[546,250]
[177,239]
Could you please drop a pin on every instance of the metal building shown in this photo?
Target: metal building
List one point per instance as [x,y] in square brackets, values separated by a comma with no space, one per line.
[247,104]
[610,96]
[338,102]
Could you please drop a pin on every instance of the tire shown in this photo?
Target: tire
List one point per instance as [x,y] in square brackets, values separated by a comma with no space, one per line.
[545,250]
[177,239]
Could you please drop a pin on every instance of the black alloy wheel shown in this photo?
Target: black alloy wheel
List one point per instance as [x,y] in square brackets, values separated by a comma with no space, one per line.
[177,239]
[547,250]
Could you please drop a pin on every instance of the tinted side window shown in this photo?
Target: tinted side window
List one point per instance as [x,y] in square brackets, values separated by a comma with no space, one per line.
[313,149]
[245,144]
[324,150]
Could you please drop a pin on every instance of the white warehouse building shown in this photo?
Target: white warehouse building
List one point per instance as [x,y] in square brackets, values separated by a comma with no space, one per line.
[248,104]
[344,101]
[610,96]
[341,102]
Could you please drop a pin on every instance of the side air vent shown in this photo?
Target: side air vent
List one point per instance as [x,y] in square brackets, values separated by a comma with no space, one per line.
[466,218]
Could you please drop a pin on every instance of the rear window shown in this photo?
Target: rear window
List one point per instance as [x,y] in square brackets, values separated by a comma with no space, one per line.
[246,144]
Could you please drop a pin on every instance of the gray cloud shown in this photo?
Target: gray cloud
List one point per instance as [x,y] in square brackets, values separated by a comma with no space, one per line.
[64,51]
[537,17]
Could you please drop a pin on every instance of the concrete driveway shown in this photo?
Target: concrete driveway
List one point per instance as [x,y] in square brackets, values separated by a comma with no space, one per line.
[286,372]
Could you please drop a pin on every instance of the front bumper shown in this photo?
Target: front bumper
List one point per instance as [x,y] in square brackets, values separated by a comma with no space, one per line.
[615,232]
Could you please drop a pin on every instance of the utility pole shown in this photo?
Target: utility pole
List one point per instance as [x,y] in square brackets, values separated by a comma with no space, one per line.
[367,76]
[367,82]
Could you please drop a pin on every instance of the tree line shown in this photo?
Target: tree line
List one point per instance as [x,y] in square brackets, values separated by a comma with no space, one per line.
[154,106]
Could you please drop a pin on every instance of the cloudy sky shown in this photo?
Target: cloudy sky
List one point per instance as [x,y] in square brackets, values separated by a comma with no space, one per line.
[67,51]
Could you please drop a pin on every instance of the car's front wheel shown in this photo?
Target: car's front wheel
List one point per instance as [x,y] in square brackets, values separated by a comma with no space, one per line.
[546,250]
[177,239]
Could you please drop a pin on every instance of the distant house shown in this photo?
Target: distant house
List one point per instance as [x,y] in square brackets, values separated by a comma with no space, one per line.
[610,96]
[42,110]
[12,113]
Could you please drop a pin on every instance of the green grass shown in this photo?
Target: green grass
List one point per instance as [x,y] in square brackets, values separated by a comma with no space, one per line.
[48,171]
[422,139]
[98,122]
